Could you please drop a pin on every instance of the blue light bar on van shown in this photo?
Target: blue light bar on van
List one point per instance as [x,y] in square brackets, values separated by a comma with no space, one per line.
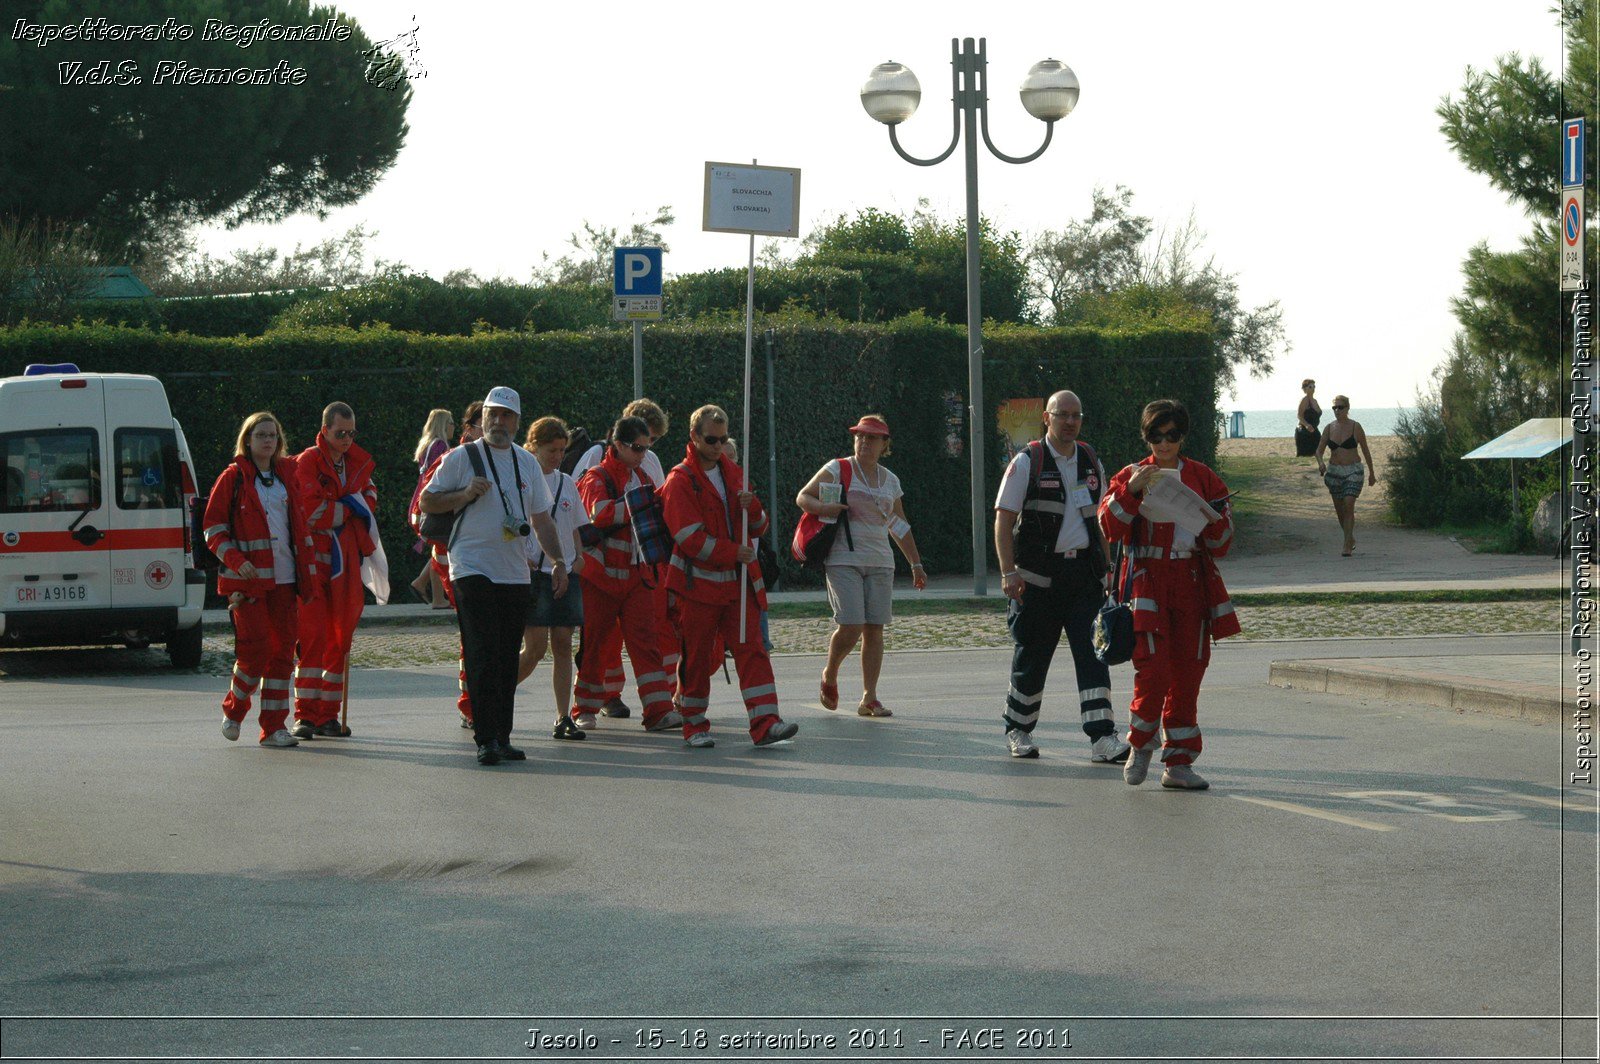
[42,369]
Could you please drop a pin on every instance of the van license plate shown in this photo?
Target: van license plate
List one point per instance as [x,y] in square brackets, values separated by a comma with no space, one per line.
[33,594]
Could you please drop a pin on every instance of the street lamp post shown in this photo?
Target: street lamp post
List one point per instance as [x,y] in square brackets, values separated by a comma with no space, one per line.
[891,95]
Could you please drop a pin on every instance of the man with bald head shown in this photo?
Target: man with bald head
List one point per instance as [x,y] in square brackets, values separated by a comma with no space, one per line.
[1053,565]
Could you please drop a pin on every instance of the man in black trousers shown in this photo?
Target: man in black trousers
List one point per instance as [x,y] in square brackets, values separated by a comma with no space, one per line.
[503,503]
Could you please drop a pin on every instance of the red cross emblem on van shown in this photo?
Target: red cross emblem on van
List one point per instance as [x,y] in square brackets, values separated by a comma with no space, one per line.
[158,574]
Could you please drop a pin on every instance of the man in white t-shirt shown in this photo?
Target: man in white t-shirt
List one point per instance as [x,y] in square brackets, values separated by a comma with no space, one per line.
[1053,564]
[500,508]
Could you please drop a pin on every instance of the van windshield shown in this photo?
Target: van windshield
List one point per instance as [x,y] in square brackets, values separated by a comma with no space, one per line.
[50,470]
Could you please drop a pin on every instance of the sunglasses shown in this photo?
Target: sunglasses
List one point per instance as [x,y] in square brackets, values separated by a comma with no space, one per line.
[1170,436]
[344,434]
[637,448]
[714,441]
[1338,406]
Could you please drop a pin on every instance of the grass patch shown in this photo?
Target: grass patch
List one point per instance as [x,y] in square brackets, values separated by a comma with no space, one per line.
[1254,479]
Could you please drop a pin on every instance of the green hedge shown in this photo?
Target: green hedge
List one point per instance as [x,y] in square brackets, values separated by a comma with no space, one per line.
[827,374]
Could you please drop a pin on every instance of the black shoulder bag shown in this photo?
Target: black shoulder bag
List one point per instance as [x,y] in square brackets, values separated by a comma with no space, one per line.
[439,526]
[1113,626]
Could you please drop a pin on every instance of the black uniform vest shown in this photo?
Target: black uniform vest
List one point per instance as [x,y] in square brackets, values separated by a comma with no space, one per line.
[1045,507]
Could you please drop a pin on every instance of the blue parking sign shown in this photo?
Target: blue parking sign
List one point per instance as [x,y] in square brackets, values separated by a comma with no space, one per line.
[1572,153]
[636,271]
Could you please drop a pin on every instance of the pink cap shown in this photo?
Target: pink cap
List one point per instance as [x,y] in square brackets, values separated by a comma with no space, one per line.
[870,426]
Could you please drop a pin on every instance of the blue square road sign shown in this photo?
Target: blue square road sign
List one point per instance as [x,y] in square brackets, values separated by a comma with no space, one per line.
[636,271]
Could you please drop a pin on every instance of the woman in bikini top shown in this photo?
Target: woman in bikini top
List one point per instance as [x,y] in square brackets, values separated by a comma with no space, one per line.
[1342,456]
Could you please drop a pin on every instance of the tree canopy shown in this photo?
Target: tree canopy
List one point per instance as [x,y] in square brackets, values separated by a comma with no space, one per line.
[108,134]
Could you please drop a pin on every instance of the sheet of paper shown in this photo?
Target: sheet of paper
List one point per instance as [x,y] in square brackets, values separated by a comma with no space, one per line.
[1168,498]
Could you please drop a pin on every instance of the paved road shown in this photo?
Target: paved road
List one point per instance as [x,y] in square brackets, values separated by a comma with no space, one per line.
[1353,860]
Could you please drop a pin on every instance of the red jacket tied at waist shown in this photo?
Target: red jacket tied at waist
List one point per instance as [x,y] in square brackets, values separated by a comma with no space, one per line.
[236,531]
[1120,519]
[610,565]
[320,488]
[705,566]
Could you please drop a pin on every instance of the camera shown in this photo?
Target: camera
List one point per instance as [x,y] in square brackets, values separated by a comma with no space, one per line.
[515,527]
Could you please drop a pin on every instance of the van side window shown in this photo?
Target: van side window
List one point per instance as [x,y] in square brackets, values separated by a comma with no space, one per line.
[50,470]
[148,475]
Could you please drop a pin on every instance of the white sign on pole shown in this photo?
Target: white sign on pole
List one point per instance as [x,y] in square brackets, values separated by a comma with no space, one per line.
[636,308]
[1571,239]
[760,200]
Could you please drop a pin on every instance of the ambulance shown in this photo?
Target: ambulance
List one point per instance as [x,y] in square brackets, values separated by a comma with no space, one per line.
[95,537]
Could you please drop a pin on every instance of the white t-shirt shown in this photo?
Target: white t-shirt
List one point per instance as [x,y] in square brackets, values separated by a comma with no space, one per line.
[275,500]
[478,546]
[714,474]
[591,457]
[871,509]
[569,516]
[1014,492]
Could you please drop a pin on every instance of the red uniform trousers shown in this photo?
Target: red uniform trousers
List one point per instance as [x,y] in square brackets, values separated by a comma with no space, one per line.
[263,651]
[611,650]
[706,628]
[1169,665]
[327,626]
[441,568]
[633,618]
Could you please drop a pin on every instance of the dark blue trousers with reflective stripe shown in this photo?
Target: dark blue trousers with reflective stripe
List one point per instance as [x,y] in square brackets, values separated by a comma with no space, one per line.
[1037,622]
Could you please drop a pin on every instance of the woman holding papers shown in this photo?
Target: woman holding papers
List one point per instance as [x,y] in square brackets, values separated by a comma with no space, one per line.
[1172,515]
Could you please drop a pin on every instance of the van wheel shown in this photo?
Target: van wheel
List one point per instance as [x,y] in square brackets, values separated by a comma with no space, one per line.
[184,647]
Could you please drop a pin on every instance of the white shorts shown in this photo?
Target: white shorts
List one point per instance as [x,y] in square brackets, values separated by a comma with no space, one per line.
[860,595]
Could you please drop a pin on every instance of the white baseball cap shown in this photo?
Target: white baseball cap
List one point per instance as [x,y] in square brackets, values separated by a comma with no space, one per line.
[505,398]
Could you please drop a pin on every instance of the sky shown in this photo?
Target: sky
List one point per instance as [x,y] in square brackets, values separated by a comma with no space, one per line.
[1301,137]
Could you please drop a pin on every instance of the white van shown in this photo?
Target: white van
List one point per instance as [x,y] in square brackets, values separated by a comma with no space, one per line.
[94,517]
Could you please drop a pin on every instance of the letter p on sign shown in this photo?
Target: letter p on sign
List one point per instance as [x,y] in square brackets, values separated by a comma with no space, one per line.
[636,271]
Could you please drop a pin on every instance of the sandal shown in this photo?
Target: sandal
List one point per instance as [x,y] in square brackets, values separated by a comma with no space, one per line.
[830,695]
[874,709]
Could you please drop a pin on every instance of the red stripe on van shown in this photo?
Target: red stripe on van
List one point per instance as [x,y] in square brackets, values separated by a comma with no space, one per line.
[170,538]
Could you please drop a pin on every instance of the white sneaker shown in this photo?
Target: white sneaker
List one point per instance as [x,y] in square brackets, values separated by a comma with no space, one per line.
[230,730]
[281,737]
[1138,767]
[669,720]
[585,721]
[1109,749]
[1183,778]
[701,740]
[1021,744]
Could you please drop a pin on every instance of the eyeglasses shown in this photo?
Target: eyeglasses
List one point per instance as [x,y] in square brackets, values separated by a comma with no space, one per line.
[1170,436]
[714,441]
[344,434]
[1066,416]
[637,448]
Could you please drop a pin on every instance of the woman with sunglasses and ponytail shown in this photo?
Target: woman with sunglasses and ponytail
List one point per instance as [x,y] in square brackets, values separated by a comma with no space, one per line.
[1179,602]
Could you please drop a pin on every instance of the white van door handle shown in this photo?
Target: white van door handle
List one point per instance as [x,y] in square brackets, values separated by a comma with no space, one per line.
[88,535]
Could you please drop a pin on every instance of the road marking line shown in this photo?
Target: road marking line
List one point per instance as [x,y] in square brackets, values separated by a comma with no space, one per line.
[1554,803]
[1337,818]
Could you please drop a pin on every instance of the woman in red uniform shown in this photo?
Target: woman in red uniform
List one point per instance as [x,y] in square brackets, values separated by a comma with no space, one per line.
[256,526]
[1179,602]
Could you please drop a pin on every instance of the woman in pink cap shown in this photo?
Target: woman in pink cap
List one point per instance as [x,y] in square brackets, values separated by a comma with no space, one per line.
[860,567]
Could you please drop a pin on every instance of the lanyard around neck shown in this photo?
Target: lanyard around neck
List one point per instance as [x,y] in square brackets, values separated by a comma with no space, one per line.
[516,471]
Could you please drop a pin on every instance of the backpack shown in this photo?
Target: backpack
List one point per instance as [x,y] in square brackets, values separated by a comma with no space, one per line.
[436,528]
[578,444]
[813,537]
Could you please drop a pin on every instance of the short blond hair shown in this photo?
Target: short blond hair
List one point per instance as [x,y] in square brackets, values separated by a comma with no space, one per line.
[710,412]
[652,414]
[241,446]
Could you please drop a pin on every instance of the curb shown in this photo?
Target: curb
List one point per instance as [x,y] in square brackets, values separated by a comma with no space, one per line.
[1513,701]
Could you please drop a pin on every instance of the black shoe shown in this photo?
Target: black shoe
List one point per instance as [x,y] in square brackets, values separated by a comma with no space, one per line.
[616,707]
[303,730]
[511,753]
[565,729]
[489,753]
[333,730]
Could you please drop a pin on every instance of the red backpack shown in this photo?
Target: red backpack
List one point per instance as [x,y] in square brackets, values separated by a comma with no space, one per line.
[813,537]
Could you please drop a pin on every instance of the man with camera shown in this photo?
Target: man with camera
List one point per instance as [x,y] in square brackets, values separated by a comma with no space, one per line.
[503,505]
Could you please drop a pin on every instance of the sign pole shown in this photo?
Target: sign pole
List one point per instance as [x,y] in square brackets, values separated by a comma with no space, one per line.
[638,359]
[744,451]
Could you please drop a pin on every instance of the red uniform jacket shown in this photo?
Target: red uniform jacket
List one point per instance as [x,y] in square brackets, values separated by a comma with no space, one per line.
[1119,518]
[705,532]
[610,565]
[319,487]
[236,531]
